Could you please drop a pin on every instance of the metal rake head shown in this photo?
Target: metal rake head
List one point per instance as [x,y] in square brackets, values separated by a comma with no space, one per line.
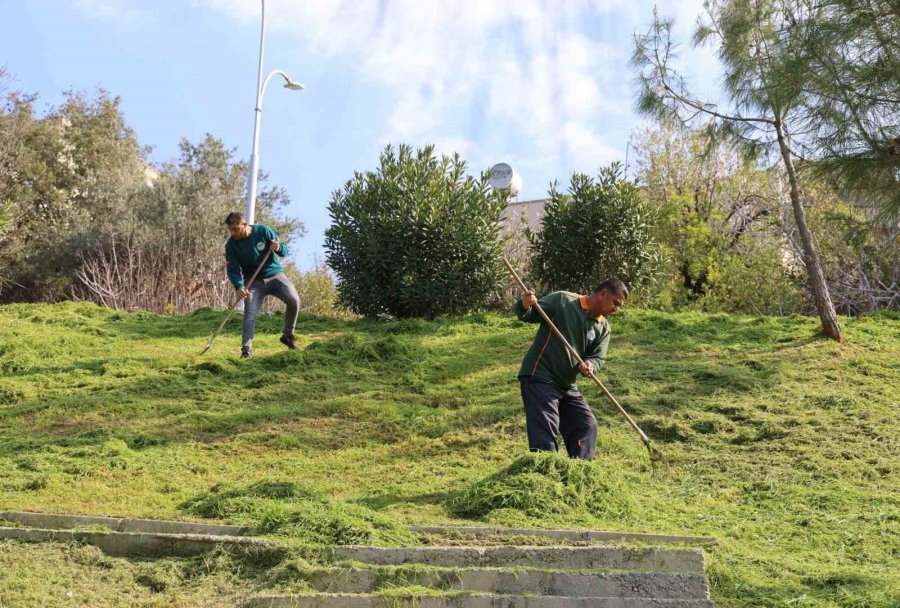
[657,458]
[207,347]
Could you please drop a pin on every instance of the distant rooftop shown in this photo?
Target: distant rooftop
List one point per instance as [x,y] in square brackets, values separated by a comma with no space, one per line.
[534,201]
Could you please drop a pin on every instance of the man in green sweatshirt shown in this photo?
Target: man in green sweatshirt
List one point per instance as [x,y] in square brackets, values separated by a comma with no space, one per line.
[244,250]
[553,403]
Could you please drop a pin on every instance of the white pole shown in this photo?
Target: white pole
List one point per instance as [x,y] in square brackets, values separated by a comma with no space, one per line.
[250,213]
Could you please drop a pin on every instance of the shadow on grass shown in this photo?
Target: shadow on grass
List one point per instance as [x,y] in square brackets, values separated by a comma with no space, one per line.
[380,502]
[203,321]
[303,407]
[673,332]
[839,587]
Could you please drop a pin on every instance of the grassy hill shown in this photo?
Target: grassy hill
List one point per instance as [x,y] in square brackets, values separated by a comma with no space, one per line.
[781,444]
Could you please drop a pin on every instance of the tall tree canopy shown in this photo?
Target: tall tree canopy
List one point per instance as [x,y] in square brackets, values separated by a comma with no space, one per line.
[851,51]
[764,83]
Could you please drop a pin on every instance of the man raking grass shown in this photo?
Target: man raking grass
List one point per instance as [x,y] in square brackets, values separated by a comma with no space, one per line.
[237,298]
[244,249]
[249,250]
[553,404]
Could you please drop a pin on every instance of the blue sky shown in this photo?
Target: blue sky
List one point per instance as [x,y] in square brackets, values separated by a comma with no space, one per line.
[542,85]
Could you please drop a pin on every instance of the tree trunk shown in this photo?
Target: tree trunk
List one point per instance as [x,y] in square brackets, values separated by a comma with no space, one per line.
[814,273]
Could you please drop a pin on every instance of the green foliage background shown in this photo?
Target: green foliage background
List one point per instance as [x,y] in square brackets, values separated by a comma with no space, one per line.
[415,238]
[81,193]
[600,228]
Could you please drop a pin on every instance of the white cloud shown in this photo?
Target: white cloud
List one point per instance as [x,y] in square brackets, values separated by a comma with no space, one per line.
[530,69]
[590,151]
[111,10]
[466,148]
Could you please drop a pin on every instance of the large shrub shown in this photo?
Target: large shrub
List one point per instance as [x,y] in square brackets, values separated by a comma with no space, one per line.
[599,229]
[416,238]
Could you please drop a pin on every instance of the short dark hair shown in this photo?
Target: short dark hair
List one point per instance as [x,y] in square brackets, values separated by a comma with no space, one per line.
[615,286]
[234,218]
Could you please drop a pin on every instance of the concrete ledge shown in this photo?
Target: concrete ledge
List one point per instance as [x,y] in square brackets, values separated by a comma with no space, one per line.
[55,521]
[563,558]
[466,601]
[137,544]
[584,535]
[512,582]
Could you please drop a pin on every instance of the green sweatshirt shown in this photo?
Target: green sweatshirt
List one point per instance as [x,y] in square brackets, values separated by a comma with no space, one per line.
[243,256]
[548,359]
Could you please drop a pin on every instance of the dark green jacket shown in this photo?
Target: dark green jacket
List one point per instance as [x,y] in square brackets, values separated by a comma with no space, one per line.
[548,359]
[243,256]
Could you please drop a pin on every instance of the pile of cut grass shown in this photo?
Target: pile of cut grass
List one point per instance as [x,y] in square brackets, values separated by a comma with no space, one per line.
[71,574]
[545,484]
[282,508]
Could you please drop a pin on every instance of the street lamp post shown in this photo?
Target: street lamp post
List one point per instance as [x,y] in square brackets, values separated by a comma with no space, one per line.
[289,83]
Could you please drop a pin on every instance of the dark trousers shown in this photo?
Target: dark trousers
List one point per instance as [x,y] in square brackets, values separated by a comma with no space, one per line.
[281,288]
[550,410]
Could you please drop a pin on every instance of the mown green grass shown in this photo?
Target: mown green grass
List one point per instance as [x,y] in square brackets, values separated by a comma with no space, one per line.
[781,444]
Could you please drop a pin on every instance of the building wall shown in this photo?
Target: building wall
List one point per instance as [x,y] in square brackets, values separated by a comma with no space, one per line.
[519,212]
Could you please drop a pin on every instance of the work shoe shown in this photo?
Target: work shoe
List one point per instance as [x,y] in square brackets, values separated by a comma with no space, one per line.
[246,352]
[289,341]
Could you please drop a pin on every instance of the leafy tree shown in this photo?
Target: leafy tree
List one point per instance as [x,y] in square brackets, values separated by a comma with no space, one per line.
[166,251]
[415,238]
[720,222]
[764,77]
[599,229]
[68,174]
[317,290]
[860,252]
[852,48]
[9,142]
[93,219]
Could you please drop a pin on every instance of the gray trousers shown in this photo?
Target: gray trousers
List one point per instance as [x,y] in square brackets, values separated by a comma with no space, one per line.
[281,288]
[550,410]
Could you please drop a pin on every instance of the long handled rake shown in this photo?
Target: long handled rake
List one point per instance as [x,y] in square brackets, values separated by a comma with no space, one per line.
[654,453]
[234,304]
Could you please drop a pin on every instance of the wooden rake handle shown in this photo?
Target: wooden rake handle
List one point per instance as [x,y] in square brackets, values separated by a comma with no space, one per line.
[578,357]
[235,303]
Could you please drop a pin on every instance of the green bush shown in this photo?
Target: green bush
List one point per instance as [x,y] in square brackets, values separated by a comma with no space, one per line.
[712,269]
[317,291]
[416,238]
[599,229]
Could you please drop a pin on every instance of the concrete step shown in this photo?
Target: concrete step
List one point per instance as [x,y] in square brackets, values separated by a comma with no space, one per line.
[137,543]
[558,558]
[57,521]
[512,582]
[486,533]
[467,601]
[60,521]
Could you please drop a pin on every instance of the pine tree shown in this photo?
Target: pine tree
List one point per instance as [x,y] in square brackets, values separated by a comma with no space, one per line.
[764,77]
[852,96]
